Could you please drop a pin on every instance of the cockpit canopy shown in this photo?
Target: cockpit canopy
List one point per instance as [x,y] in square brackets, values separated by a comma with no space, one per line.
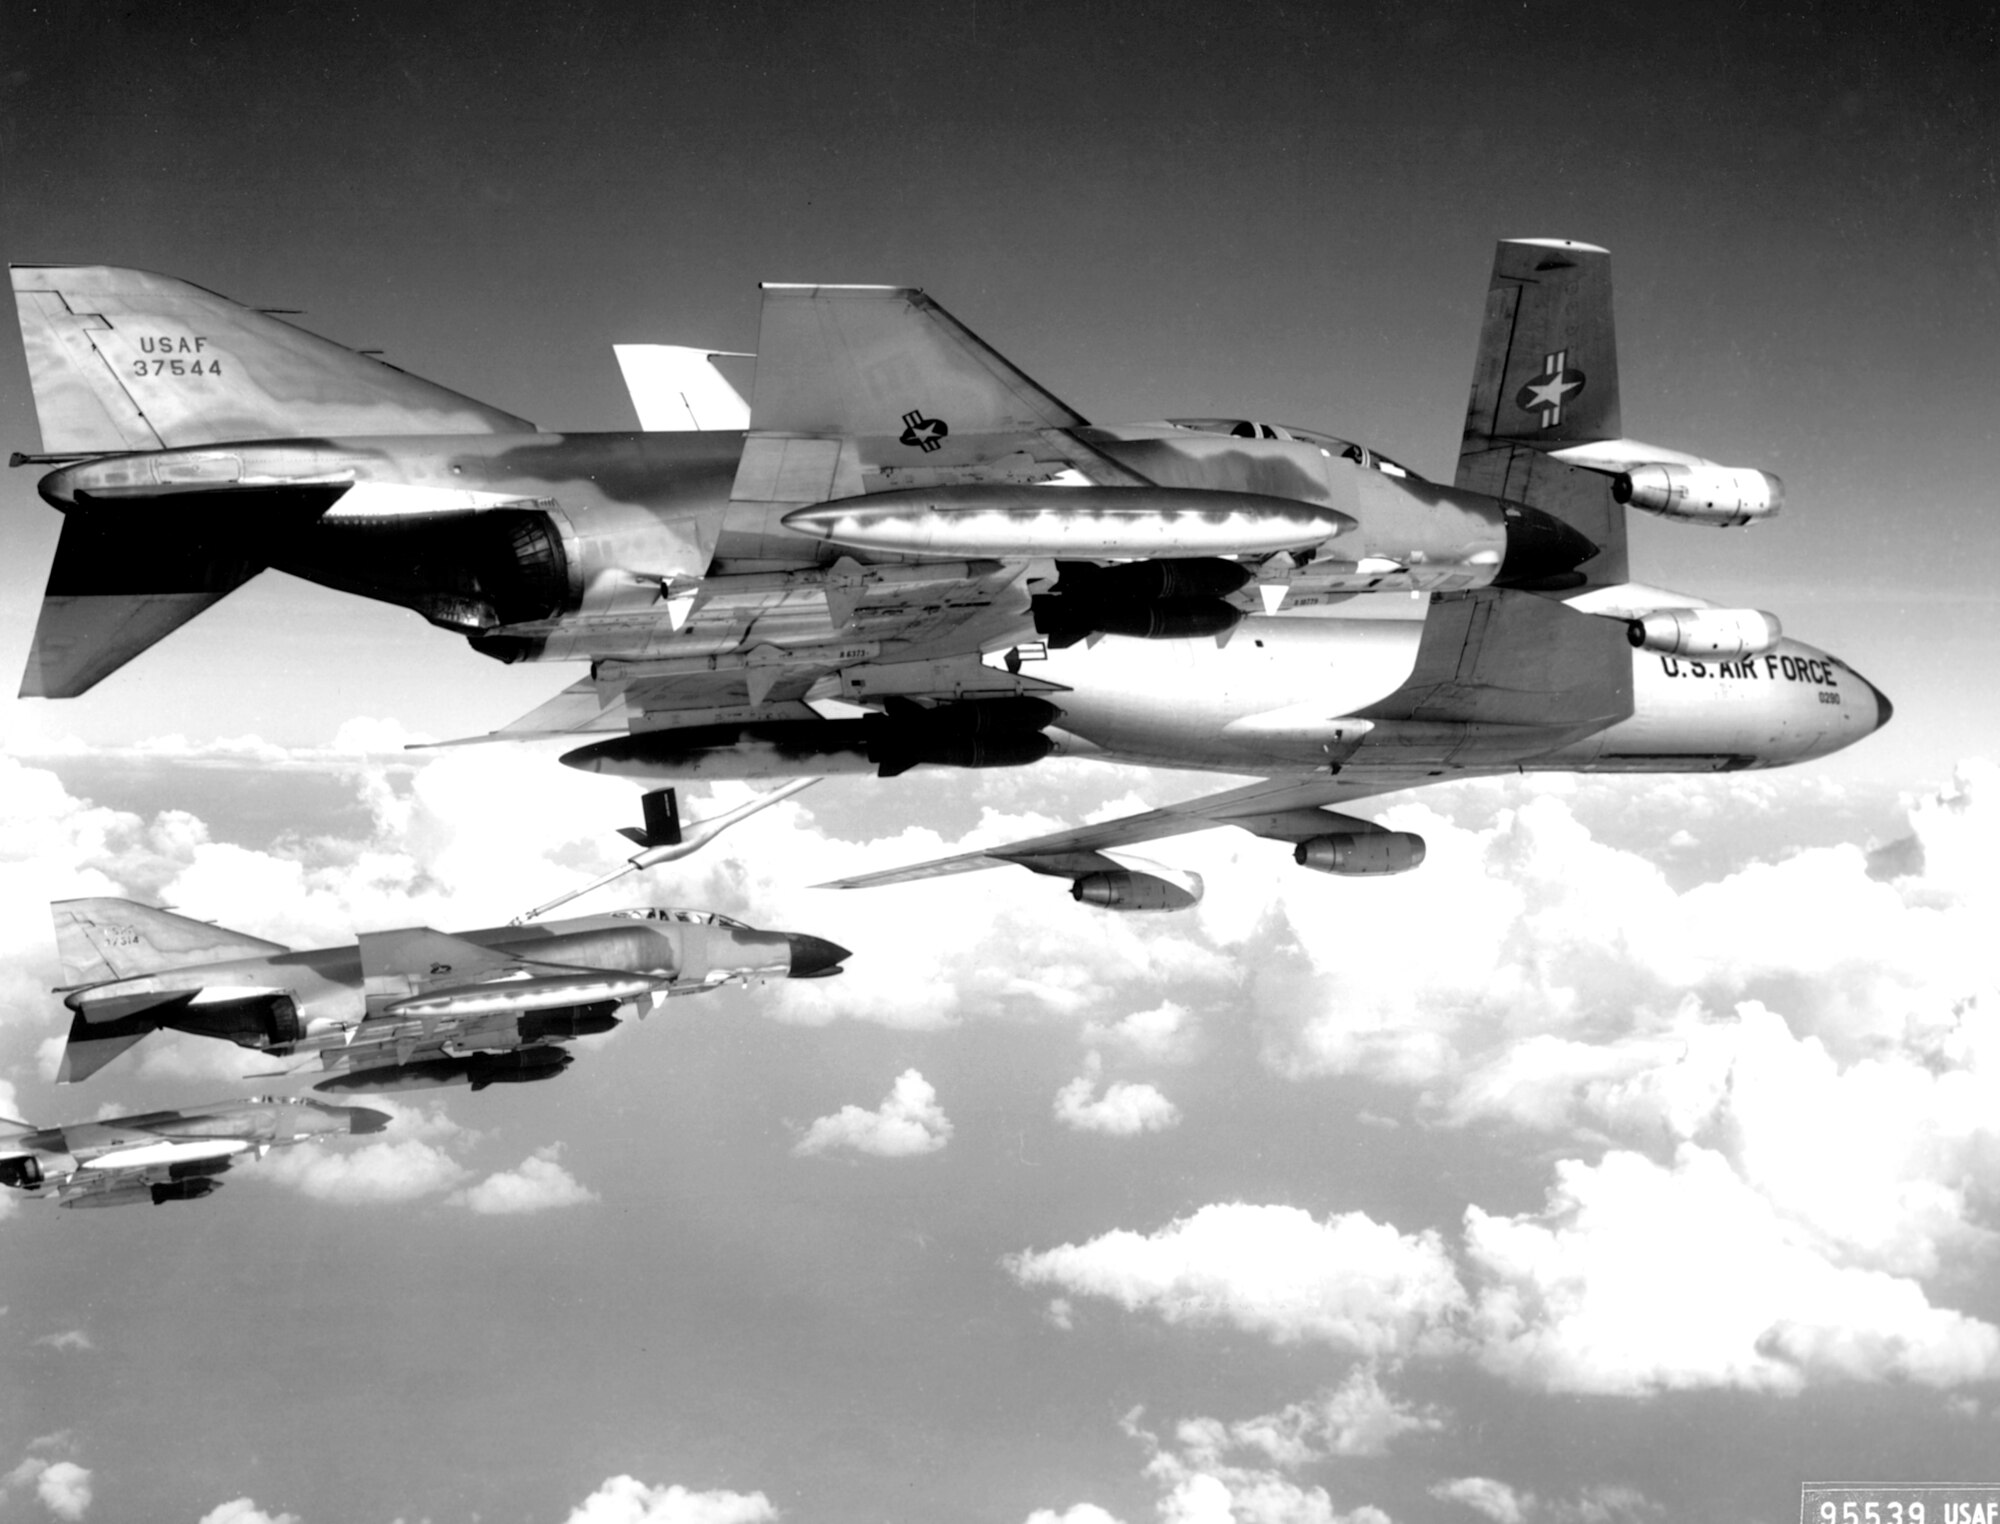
[1250,428]
[680,917]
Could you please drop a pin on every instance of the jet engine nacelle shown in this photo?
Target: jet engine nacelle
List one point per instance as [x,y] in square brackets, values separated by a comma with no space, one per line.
[1124,889]
[1361,854]
[1727,633]
[1721,496]
[23,1173]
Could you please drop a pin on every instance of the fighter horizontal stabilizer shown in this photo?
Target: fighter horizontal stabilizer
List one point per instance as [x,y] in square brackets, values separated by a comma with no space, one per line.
[126,575]
[104,938]
[127,360]
[93,1045]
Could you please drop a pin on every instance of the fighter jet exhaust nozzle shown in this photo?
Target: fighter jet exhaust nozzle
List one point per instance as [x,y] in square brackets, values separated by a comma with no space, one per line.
[1725,633]
[1361,854]
[1719,496]
[1543,553]
[23,1173]
[815,957]
[1124,889]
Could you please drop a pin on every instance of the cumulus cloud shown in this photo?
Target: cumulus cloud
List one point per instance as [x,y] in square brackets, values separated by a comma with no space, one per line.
[1167,1033]
[539,1184]
[375,1172]
[1199,1486]
[1356,1418]
[1504,1504]
[1274,1270]
[627,1500]
[1122,1111]
[909,1121]
[62,1485]
[1076,1513]
[1640,1277]
[69,1338]
[245,1511]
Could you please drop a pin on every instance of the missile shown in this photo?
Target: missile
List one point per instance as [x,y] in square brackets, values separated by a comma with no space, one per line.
[1094,523]
[516,1067]
[1000,732]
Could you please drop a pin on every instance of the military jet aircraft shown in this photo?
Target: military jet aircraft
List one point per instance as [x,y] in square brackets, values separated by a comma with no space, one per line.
[1611,675]
[162,1156]
[906,519]
[400,1009]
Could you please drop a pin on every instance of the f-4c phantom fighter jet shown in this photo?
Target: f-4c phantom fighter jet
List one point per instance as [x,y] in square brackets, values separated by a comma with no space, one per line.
[400,1009]
[904,510]
[163,1156]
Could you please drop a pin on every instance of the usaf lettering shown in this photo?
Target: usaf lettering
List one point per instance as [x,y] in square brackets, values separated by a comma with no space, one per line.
[164,345]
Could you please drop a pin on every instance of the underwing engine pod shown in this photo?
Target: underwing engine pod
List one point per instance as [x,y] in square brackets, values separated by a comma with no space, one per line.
[1361,854]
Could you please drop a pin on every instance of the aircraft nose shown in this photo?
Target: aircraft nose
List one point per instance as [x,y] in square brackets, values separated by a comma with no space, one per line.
[1542,551]
[1884,710]
[366,1119]
[815,957]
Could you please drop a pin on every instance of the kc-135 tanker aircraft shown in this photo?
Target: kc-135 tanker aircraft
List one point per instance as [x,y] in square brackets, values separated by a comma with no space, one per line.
[911,531]
[161,1156]
[406,1009]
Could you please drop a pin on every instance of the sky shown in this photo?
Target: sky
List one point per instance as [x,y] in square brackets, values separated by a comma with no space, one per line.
[1633,1161]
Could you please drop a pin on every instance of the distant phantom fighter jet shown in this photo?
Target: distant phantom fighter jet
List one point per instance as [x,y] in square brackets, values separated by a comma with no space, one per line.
[162,1156]
[400,1009]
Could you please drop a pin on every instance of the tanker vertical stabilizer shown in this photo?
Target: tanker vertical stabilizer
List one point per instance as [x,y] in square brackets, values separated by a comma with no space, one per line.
[1546,378]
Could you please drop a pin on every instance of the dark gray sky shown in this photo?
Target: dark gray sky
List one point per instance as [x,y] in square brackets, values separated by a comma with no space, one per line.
[1276,211]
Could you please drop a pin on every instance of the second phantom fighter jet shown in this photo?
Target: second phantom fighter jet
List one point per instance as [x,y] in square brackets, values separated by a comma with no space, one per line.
[162,1156]
[400,1009]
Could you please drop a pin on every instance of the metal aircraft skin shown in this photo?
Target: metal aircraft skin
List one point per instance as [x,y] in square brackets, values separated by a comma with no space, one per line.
[1609,676]
[403,1009]
[903,510]
[161,1156]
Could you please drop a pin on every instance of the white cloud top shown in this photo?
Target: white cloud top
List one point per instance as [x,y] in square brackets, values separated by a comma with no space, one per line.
[1641,1277]
[1348,1281]
[398,1171]
[539,1184]
[908,1122]
[627,1500]
[1124,1109]
[245,1511]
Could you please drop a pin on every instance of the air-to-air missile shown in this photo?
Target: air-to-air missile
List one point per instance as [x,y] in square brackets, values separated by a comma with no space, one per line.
[162,1156]
[401,1009]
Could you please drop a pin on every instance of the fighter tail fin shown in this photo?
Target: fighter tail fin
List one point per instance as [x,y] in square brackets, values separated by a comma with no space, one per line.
[100,939]
[123,360]
[1546,378]
[886,361]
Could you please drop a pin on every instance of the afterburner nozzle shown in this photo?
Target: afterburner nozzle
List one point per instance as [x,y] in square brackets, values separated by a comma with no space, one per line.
[1543,553]
[814,957]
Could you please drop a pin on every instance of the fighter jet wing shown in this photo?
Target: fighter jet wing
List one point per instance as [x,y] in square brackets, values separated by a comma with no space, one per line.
[1283,809]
